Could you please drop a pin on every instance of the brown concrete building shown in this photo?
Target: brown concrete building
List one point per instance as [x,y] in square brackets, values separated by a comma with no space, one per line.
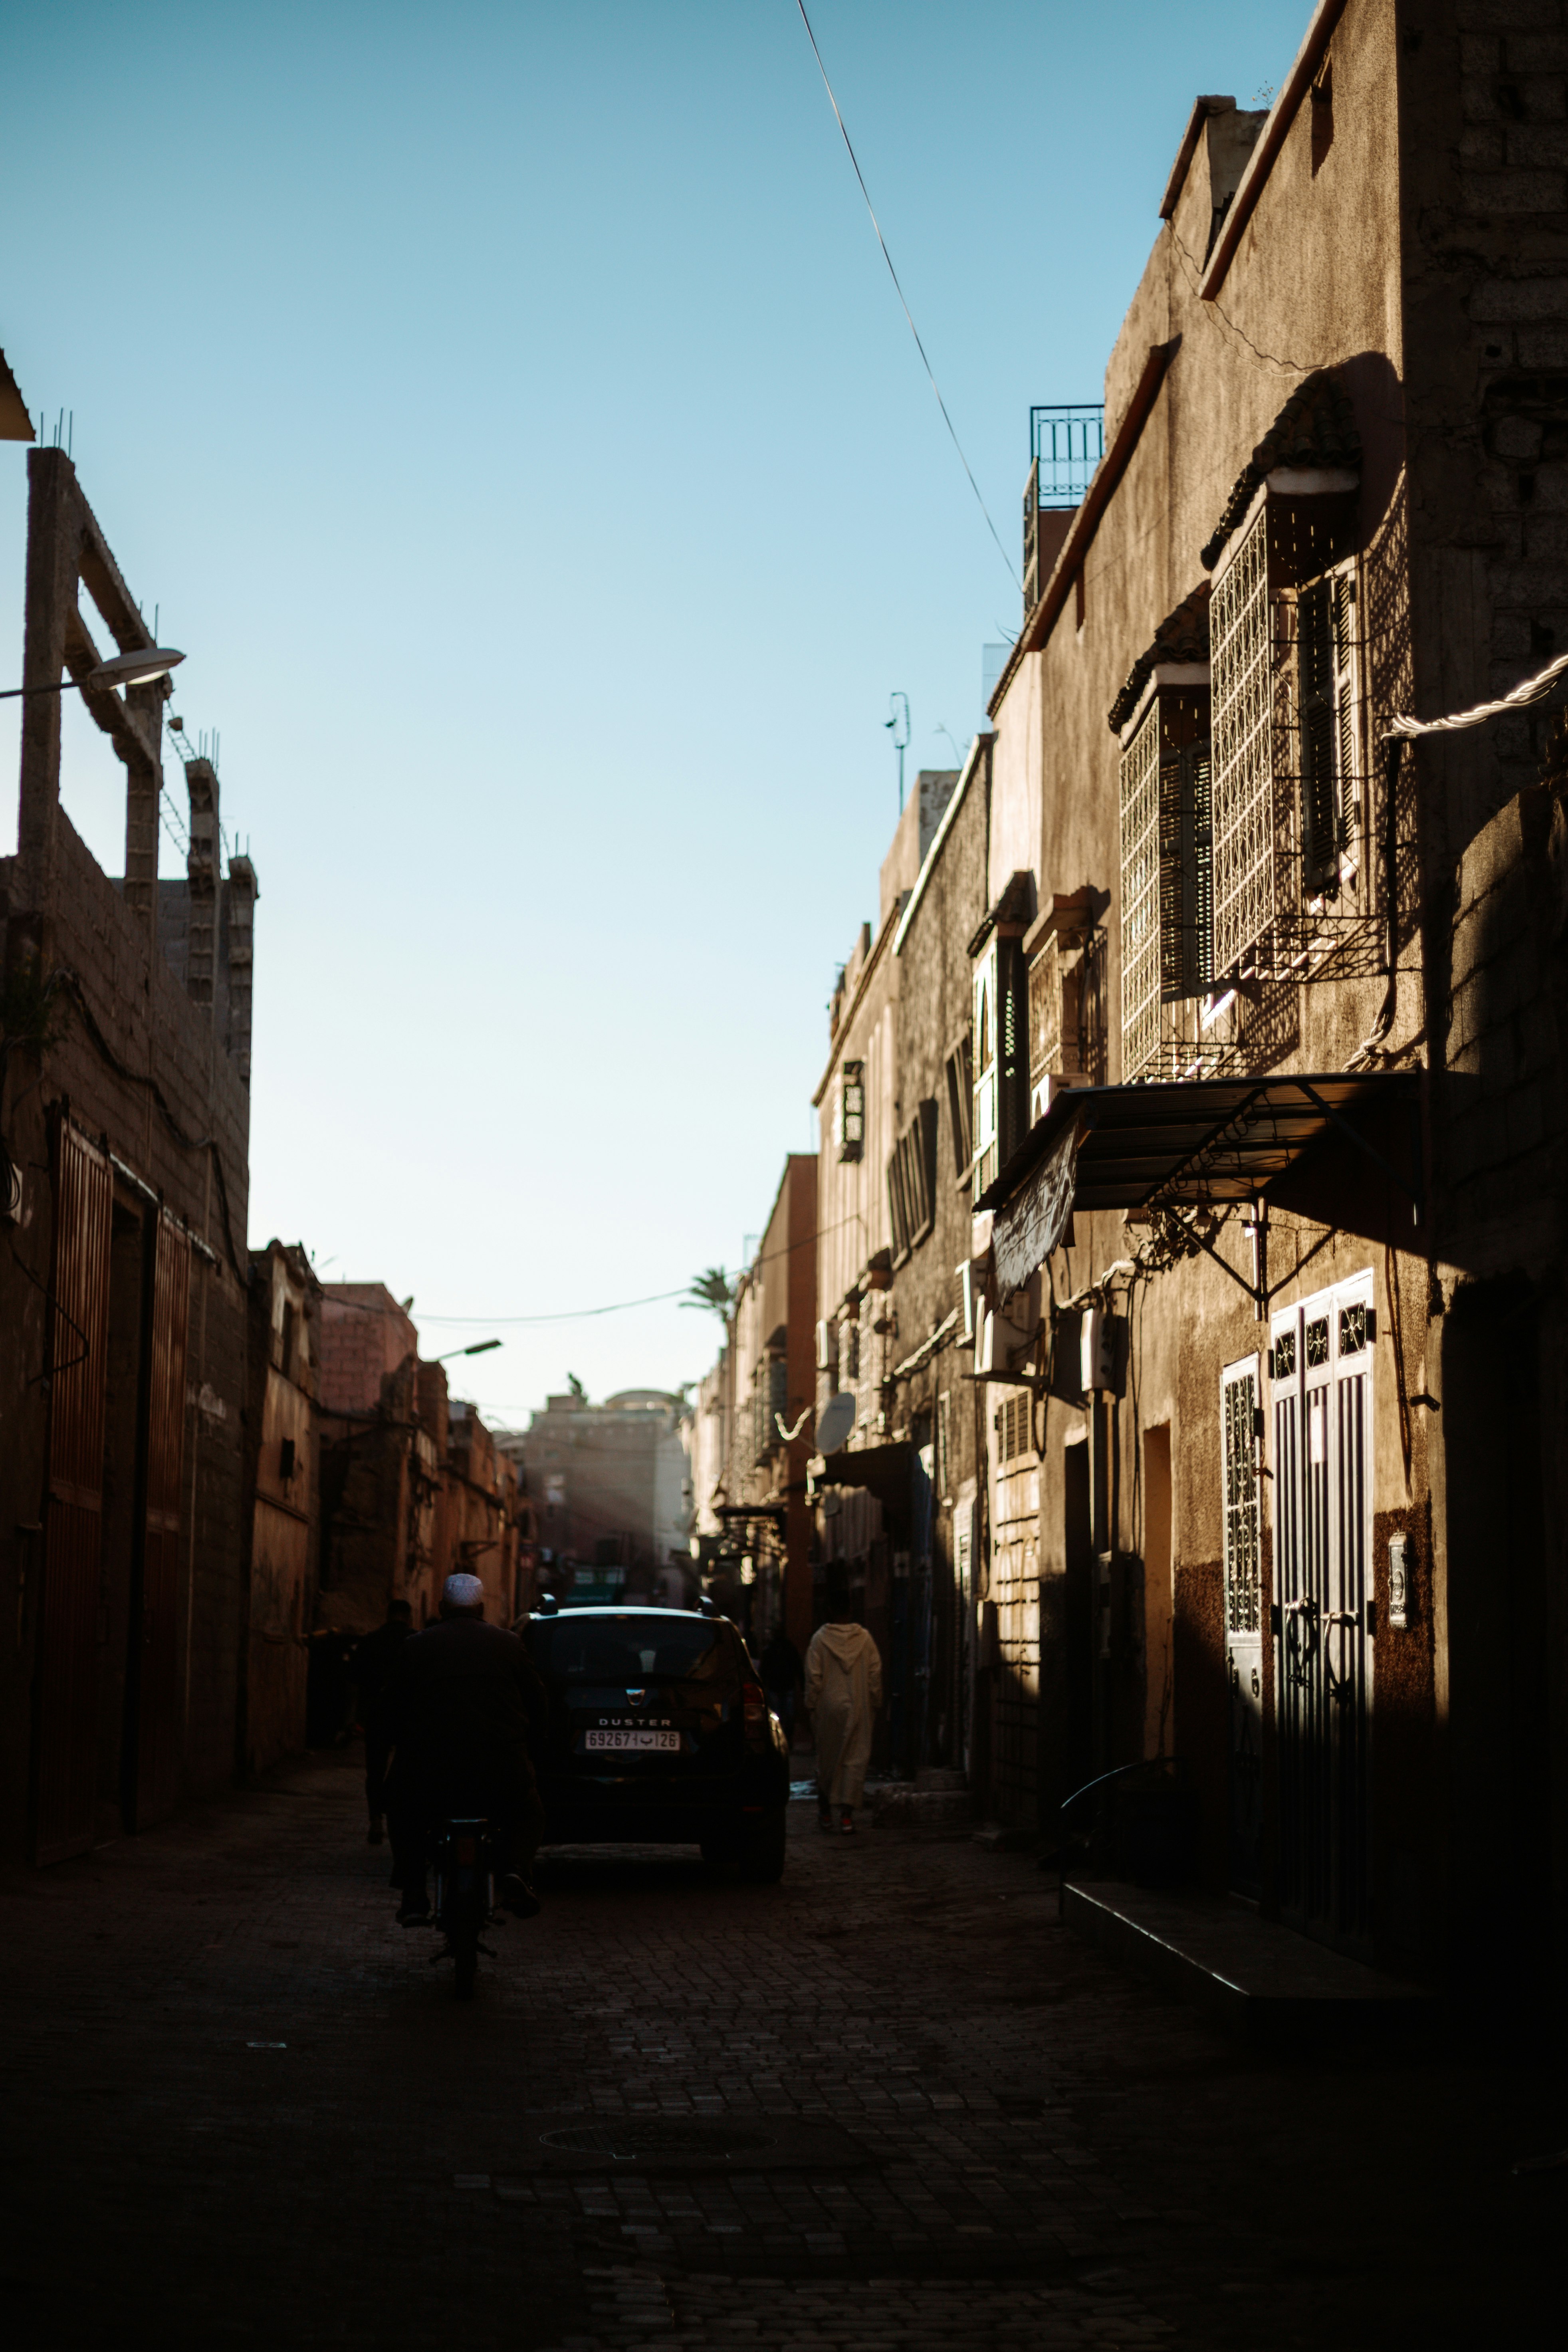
[757,1503]
[944,1694]
[283,1465]
[608,1491]
[414,1486]
[1289,1282]
[871,1499]
[125,1282]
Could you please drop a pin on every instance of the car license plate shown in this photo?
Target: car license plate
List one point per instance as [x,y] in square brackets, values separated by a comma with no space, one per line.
[636,1743]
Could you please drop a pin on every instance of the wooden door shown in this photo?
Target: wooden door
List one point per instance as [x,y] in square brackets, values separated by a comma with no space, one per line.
[65,1779]
[158,1713]
[1320,1363]
[1241,1438]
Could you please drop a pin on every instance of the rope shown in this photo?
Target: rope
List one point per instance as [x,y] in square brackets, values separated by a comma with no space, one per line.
[1530,690]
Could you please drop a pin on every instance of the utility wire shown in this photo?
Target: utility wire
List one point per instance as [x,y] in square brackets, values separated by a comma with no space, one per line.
[898,290]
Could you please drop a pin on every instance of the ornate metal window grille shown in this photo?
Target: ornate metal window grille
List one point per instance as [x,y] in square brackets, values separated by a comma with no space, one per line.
[1353,1330]
[1242,1587]
[1046,1011]
[1251,888]
[1167,887]
[1318,1340]
[1186,873]
[1141,899]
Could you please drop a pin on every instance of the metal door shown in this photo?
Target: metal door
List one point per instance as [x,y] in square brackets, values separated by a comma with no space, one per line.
[156,1644]
[1239,1416]
[65,1782]
[1320,1363]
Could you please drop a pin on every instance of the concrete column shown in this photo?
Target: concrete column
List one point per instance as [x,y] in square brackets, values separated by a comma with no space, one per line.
[54,541]
[240,894]
[202,871]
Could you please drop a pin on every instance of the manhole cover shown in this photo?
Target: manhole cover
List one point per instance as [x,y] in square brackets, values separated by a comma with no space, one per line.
[633,2139]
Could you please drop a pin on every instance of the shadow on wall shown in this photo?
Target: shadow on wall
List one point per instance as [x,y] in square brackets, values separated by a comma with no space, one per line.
[1501,1693]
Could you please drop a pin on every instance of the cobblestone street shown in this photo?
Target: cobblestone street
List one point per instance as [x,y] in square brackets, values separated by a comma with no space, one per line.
[888,2103]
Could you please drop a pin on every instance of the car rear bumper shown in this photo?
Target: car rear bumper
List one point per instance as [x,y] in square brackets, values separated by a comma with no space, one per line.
[581,1809]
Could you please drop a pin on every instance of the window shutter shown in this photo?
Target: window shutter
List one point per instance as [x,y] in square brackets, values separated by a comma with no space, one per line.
[1187,874]
[961,1104]
[984,1087]
[925,1135]
[898,1204]
[1317,737]
[1046,1010]
[1238,1416]
[1140,898]
[1345,703]
[1012,1049]
[1250,890]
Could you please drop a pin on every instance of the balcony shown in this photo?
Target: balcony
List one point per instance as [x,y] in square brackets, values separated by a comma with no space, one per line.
[1065,445]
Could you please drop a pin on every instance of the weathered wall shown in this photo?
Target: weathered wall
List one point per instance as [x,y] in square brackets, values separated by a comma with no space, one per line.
[933,1404]
[119,1041]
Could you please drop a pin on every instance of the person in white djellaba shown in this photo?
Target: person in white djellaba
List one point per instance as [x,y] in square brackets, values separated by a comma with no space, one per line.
[843,1692]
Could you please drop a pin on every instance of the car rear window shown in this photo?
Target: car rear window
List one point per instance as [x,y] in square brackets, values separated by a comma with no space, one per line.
[631,1649]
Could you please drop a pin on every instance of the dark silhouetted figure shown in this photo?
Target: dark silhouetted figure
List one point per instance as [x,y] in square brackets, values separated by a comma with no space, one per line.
[373,1666]
[466,1704]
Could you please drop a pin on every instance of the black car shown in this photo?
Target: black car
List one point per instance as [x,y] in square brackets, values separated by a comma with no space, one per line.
[660,1733]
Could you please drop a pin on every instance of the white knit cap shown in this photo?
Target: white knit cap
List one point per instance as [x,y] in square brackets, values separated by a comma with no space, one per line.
[462,1591]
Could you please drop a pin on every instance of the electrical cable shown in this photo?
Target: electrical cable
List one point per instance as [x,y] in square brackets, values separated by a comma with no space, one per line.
[898,290]
[618,1307]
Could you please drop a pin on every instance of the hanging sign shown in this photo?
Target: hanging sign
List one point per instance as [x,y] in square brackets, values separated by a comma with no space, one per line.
[1035,1220]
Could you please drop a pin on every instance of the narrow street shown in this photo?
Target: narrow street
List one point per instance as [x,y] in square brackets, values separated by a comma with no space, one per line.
[888,2102]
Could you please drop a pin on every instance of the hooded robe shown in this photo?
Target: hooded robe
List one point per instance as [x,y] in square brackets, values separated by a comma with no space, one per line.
[843,1692]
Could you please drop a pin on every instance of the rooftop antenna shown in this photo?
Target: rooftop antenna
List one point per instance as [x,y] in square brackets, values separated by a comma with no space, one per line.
[899,704]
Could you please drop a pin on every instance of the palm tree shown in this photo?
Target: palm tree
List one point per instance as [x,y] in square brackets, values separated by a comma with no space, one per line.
[711,1290]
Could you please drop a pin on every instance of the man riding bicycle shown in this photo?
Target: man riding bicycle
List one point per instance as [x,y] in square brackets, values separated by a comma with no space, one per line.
[465,1705]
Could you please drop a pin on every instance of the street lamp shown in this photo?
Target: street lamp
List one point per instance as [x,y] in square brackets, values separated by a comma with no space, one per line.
[479,1348]
[138,668]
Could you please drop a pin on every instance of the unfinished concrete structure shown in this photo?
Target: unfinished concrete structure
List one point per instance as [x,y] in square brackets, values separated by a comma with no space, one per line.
[123,1285]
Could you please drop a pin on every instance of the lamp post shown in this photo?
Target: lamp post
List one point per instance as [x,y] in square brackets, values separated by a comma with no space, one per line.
[479,1348]
[138,668]
[898,726]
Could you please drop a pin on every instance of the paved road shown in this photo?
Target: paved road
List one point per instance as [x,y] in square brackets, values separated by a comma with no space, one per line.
[889,2104]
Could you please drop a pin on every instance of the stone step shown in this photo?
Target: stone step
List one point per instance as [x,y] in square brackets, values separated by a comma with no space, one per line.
[1253,1976]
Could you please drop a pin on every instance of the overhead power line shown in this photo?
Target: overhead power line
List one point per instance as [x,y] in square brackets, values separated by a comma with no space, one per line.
[898,290]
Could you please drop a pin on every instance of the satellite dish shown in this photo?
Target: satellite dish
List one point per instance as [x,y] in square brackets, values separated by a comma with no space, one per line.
[834,1422]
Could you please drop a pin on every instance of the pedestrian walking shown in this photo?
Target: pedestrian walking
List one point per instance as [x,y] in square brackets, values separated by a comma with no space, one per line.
[372,1668]
[783,1677]
[843,1692]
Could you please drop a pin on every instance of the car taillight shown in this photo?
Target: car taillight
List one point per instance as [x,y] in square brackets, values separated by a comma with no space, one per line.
[468,1849]
[754,1701]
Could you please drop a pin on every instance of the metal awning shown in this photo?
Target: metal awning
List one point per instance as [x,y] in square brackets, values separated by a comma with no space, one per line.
[1201,1140]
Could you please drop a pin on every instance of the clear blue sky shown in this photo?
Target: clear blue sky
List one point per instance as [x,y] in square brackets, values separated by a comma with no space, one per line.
[508,409]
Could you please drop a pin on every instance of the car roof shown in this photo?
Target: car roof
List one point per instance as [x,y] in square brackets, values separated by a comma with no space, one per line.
[651,1608]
